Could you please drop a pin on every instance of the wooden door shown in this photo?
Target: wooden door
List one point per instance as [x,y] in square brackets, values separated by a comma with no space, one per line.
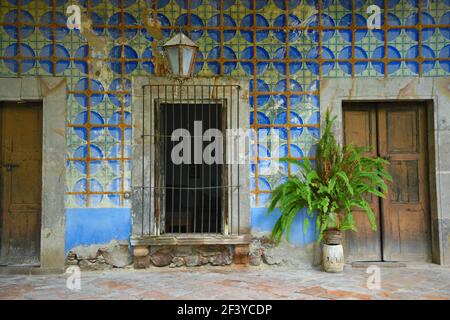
[21,181]
[397,132]
[360,123]
[405,211]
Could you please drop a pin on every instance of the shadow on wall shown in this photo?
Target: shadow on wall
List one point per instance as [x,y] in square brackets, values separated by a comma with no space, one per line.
[96,226]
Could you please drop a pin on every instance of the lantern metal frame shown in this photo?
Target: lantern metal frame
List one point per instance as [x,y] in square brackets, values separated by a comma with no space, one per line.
[181,41]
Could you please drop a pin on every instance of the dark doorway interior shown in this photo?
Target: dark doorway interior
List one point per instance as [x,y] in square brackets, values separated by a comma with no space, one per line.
[193,192]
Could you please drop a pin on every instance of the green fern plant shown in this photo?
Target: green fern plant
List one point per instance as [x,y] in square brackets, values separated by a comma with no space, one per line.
[339,182]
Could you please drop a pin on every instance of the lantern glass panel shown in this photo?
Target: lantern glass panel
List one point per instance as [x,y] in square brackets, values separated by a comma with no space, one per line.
[188,55]
[173,57]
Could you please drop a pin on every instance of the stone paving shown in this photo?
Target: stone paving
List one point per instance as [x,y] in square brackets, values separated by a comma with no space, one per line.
[412,282]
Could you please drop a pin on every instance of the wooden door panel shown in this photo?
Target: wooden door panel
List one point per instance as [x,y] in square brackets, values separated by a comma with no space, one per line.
[405,211]
[21,136]
[360,130]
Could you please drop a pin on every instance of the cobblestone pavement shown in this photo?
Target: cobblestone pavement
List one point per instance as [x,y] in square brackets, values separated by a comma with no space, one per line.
[419,282]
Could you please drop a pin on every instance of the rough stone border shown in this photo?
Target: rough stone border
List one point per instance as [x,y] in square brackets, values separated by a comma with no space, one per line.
[437,92]
[52,92]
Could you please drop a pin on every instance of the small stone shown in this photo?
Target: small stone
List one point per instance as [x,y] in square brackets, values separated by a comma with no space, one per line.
[160,259]
[192,261]
[116,254]
[271,257]
[221,259]
[178,262]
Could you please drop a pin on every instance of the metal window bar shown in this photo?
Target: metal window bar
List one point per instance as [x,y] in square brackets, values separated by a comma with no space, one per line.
[179,202]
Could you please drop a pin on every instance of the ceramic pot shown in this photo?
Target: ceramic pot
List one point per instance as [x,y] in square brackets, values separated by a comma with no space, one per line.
[333,258]
[333,252]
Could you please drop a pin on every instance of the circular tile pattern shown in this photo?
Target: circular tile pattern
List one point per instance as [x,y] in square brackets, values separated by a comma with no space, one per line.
[93,3]
[262,119]
[281,22]
[424,3]
[262,99]
[22,2]
[94,186]
[263,185]
[360,66]
[12,17]
[116,152]
[445,20]
[281,99]
[347,21]
[393,33]
[163,21]
[195,21]
[281,54]
[116,186]
[193,4]
[12,51]
[119,85]
[413,20]
[50,33]
[314,119]
[199,63]
[445,53]
[59,51]
[82,152]
[117,22]
[347,4]
[292,4]
[116,119]
[228,21]
[413,53]
[160,3]
[58,3]
[96,21]
[263,152]
[259,4]
[326,22]
[294,118]
[390,3]
[261,66]
[126,3]
[82,119]
[148,65]
[123,52]
[225,3]
[259,22]
[379,53]
[327,66]
[296,152]
[91,85]
[228,66]
[81,53]
[315,3]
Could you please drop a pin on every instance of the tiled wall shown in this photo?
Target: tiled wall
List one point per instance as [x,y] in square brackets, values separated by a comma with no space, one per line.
[293,44]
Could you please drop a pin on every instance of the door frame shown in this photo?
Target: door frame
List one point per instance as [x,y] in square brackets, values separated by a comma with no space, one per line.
[436,93]
[51,92]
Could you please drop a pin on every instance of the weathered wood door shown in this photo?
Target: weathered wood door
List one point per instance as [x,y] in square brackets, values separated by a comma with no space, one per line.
[21,181]
[397,132]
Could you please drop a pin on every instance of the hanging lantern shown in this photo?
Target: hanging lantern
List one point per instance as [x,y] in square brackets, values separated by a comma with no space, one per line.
[181,53]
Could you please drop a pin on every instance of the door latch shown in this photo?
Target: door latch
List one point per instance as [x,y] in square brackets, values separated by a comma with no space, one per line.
[10,166]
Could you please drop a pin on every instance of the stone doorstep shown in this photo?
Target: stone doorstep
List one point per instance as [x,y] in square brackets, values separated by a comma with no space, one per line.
[167,255]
